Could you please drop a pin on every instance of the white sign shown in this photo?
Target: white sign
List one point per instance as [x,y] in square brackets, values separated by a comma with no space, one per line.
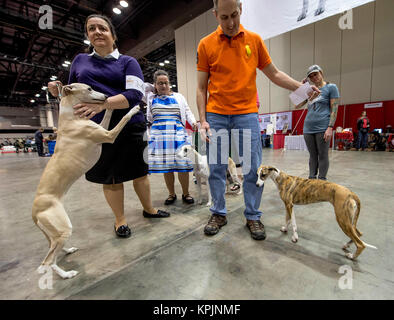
[373,105]
[270,18]
[278,121]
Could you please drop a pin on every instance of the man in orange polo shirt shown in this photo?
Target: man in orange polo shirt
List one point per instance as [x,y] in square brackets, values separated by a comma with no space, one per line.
[228,58]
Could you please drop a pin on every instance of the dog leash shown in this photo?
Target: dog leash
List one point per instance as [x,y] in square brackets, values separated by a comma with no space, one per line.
[59,96]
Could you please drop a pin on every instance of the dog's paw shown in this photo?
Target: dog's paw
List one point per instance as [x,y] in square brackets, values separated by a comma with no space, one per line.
[70,250]
[294,238]
[349,255]
[199,201]
[69,274]
[283,229]
[209,204]
[133,111]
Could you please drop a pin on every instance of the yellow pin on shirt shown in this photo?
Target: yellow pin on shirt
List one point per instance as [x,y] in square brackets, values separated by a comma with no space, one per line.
[248,51]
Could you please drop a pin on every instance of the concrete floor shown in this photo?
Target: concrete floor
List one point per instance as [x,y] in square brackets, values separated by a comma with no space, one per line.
[172,258]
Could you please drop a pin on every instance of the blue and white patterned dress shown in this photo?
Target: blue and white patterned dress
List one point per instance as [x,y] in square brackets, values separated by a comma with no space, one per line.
[167,134]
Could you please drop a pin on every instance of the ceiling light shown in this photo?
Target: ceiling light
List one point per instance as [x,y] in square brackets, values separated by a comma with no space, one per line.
[67,62]
[65,65]
[32,101]
[161,64]
[37,95]
[117,10]
[174,85]
[124,4]
[44,88]
[166,61]
[87,42]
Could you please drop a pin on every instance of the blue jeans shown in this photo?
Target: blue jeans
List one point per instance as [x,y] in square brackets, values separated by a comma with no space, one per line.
[248,142]
[362,140]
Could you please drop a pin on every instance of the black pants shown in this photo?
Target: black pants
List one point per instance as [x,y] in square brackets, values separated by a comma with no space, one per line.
[40,148]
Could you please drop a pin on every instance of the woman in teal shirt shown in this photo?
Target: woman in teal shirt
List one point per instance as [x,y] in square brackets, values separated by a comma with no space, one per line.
[319,122]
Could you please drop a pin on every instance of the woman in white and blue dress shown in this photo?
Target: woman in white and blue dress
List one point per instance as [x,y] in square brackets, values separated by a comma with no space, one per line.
[168,112]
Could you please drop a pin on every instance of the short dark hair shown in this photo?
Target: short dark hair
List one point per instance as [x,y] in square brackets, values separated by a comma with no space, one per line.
[107,20]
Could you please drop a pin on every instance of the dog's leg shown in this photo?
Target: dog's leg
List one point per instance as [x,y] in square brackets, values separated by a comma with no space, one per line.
[344,214]
[198,178]
[209,203]
[107,118]
[304,12]
[105,136]
[294,238]
[287,221]
[346,245]
[56,224]
[70,250]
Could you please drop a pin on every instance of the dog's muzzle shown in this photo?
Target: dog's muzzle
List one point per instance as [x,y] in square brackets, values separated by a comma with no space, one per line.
[259,183]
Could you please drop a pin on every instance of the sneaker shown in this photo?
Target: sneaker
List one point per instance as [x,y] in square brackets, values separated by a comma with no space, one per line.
[216,221]
[256,229]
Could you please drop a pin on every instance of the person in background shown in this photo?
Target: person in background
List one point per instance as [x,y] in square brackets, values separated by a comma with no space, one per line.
[39,140]
[363,128]
[168,112]
[319,122]
[120,77]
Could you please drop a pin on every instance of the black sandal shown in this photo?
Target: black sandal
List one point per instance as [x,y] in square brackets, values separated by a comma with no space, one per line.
[187,199]
[170,200]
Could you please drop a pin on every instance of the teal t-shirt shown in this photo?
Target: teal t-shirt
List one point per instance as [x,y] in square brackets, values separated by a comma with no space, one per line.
[319,112]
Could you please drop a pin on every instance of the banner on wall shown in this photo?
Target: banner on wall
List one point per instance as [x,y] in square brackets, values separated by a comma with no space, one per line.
[270,18]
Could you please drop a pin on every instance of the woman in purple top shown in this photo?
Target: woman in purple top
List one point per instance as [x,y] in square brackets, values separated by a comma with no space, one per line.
[120,77]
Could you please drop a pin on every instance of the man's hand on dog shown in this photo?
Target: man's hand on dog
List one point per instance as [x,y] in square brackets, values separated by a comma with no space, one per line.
[88,110]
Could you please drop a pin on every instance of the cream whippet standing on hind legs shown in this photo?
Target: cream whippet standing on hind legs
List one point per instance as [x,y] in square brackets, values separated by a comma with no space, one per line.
[78,148]
[296,190]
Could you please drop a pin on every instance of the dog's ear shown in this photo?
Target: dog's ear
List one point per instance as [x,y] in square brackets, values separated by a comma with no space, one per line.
[66,90]
[273,169]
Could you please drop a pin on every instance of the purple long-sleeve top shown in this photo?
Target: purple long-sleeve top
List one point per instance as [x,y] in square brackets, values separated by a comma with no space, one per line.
[111,77]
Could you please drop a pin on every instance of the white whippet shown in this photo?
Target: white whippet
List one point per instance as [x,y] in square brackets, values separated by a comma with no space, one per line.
[201,170]
[78,148]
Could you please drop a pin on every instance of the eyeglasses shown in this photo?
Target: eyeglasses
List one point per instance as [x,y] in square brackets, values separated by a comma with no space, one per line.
[163,83]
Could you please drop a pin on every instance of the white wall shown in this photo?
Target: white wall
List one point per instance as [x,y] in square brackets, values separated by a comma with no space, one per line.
[359,60]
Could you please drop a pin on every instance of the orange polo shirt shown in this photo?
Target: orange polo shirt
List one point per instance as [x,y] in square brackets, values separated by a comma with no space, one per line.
[231,65]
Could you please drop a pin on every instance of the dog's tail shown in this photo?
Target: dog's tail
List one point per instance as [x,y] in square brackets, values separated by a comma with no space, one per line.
[369,245]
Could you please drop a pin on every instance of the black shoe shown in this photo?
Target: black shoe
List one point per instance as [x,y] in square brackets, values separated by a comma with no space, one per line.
[187,199]
[123,231]
[159,214]
[170,200]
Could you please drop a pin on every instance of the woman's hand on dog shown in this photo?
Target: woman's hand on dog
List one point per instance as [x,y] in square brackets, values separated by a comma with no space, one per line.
[88,110]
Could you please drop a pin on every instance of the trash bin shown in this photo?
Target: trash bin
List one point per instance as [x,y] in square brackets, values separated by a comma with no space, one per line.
[51,146]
